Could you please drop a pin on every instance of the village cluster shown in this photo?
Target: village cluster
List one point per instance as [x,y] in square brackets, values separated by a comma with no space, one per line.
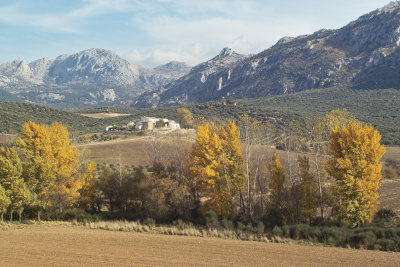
[147,123]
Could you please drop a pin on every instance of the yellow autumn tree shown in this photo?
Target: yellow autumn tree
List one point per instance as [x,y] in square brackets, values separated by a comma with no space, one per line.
[50,165]
[88,190]
[5,202]
[355,152]
[37,161]
[217,166]
[233,169]
[185,117]
[206,163]
[68,181]
[276,184]
[319,146]
[12,182]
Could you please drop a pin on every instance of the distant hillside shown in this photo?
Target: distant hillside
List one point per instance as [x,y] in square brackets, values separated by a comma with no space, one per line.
[13,115]
[380,107]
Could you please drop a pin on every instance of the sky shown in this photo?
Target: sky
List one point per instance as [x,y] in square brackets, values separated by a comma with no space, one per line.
[154,32]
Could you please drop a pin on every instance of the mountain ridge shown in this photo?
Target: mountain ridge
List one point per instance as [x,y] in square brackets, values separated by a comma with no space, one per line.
[364,53]
[92,77]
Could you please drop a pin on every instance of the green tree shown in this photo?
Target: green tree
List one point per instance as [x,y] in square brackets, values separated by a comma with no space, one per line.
[186,119]
[5,202]
[160,123]
[308,190]
[355,153]
[12,181]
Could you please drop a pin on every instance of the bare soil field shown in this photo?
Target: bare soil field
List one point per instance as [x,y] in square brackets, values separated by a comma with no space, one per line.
[138,150]
[389,195]
[392,152]
[7,138]
[104,115]
[40,245]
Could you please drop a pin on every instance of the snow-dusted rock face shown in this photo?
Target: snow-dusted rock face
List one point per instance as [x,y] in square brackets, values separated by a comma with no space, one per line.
[365,53]
[93,72]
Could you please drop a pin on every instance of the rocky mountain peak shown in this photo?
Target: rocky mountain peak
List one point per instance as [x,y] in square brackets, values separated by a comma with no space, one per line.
[88,77]
[392,7]
[364,52]
[225,52]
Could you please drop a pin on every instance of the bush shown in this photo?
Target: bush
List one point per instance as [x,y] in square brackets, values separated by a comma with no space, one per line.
[273,217]
[149,222]
[286,231]
[299,231]
[386,217]
[260,228]
[179,224]
[76,214]
[386,244]
[364,239]
[241,226]
[227,224]
[390,173]
[277,231]
[211,219]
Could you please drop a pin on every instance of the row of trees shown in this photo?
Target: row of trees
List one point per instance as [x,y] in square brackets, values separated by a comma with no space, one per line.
[335,167]
[332,170]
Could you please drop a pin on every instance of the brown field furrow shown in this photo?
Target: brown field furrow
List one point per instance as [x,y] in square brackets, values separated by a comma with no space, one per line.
[39,245]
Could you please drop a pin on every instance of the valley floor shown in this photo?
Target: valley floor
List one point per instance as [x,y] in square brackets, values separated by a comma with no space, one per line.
[47,245]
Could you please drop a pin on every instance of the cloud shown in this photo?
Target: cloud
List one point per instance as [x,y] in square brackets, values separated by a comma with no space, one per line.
[153,57]
[61,21]
[211,25]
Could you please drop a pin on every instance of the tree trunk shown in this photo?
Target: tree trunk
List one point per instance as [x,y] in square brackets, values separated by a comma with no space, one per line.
[38,215]
[2,217]
[20,217]
[11,215]
[317,166]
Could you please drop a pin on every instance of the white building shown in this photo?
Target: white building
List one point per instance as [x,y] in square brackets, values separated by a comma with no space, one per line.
[173,124]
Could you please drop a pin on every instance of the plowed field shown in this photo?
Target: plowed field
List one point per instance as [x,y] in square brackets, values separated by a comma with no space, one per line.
[39,245]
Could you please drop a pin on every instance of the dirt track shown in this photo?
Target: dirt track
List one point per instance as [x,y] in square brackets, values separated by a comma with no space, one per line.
[74,246]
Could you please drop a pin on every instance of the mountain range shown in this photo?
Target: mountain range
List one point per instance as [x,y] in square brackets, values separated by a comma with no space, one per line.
[88,78]
[364,54]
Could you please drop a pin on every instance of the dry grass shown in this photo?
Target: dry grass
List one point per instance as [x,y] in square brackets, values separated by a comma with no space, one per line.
[104,115]
[57,244]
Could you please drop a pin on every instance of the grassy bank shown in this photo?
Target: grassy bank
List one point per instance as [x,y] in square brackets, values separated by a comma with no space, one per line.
[371,238]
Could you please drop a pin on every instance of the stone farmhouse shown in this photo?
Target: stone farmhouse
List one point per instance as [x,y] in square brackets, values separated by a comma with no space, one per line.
[149,123]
